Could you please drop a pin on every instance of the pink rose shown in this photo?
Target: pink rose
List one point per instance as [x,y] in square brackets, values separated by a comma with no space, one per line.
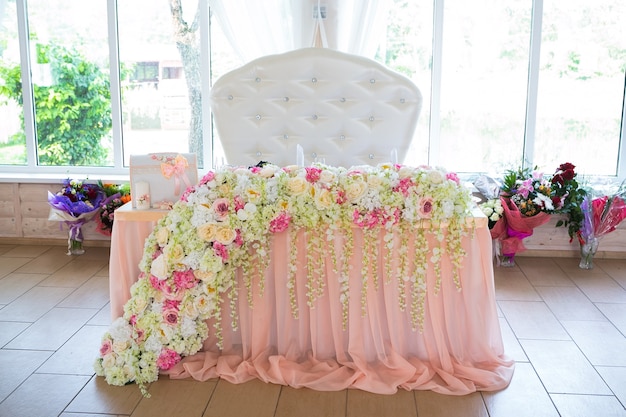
[170,316]
[106,348]
[426,207]
[220,207]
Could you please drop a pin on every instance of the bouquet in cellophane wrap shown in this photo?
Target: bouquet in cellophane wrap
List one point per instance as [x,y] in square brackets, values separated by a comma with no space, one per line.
[74,205]
[601,215]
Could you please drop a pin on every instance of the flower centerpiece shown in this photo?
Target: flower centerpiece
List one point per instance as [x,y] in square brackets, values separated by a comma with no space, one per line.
[116,197]
[75,204]
[225,224]
[600,216]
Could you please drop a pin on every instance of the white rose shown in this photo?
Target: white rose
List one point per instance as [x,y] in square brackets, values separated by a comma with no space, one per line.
[242,215]
[225,235]
[267,171]
[435,177]
[356,190]
[162,236]
[405,172]
[327,177]
[159,267]
[323,199]
[175,253]
[297,185]
[374,182]
[207,231]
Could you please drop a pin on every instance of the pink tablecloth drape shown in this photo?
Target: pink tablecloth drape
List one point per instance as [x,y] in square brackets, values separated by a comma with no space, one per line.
[458,349]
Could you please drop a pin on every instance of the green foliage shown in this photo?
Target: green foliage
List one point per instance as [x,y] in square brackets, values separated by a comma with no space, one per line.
[74,114]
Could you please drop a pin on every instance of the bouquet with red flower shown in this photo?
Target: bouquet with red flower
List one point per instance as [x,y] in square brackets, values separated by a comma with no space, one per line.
[601,216]
[116,197]
[75,204]
[567,197]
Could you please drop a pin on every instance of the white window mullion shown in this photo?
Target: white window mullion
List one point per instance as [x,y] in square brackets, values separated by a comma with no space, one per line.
[533,84]
[435,93]
[621,161]
[205,70]
[115,82]
[28,99]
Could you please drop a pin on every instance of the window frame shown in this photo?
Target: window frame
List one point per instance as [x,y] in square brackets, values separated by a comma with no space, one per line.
[31,171]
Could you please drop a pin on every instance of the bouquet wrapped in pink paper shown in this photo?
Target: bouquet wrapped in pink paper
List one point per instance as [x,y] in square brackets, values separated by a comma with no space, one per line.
[601,215]
[526,202]
[75,204]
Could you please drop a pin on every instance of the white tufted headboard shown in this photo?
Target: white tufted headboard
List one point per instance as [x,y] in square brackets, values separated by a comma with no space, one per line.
[347,109]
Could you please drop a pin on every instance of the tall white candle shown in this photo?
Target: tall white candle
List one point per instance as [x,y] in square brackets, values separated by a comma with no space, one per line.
[141,195]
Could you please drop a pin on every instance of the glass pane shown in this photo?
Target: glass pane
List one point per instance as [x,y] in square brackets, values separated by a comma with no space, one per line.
[223,60]
[484,80]
[70,68]
[161,87]
[12,139]
[581,85]
[408,50]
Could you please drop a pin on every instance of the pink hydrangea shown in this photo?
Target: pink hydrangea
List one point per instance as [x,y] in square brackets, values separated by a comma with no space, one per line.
[221,251]
[167,359]
[280,223]
[184,279]
[453,177]
[313,174]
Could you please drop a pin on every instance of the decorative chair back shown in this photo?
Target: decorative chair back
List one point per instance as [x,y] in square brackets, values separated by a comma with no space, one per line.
[340,108]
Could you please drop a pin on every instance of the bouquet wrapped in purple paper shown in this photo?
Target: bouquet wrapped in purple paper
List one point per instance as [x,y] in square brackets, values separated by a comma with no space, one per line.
[75,204]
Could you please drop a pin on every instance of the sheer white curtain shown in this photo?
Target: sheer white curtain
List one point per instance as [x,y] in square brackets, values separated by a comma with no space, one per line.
[256,28]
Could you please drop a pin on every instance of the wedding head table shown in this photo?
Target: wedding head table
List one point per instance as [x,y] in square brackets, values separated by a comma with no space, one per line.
[376,278]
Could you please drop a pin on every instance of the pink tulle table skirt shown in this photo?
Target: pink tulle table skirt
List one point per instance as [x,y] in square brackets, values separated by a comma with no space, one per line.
[457,349]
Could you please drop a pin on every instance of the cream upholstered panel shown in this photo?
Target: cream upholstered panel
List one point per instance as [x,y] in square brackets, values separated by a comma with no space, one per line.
[346,109]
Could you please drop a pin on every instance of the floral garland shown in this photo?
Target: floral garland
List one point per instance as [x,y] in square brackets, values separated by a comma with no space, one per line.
[225,223]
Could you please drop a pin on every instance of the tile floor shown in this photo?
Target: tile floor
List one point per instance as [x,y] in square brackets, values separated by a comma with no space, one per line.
[565,327]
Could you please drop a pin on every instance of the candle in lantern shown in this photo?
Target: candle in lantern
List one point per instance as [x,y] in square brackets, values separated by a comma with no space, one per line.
[141,195]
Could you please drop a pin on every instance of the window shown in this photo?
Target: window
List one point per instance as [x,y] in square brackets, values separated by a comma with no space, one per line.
[12,138]
[581,85]
[504,82]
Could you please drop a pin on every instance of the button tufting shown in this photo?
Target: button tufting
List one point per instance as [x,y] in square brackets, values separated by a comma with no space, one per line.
[402,100]
[371,118]
[342,99]
[230,97]
[258,153]
[258,117]
[257,79]
[315,117]
[313,80]
[372,81]
[342,137]
[285,136]
[314,154]
[371,156]
[285,99]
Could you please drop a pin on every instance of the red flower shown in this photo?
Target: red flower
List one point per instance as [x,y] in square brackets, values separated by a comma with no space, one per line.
[568,174]
[567,166]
